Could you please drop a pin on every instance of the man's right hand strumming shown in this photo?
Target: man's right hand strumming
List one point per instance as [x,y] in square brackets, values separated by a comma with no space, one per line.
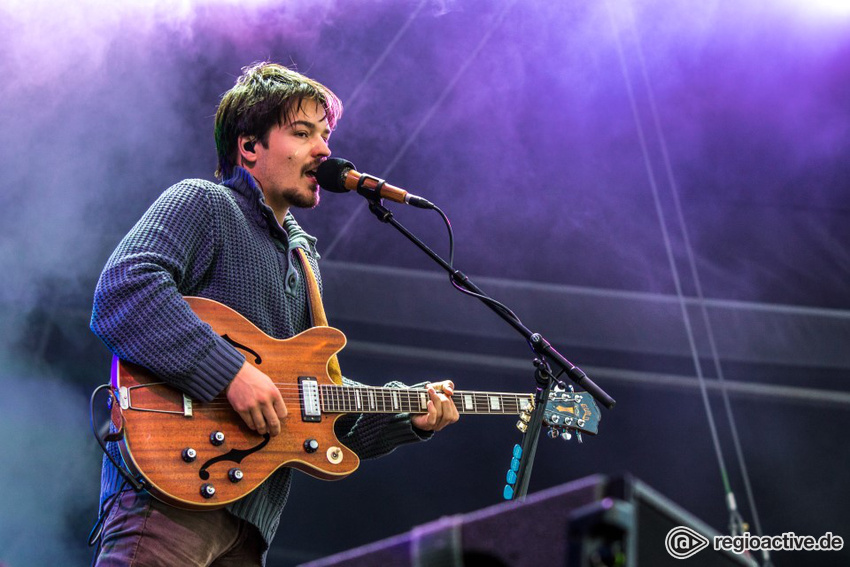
[257,400]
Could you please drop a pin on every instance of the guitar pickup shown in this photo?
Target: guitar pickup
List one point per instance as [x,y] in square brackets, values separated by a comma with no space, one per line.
[311,409]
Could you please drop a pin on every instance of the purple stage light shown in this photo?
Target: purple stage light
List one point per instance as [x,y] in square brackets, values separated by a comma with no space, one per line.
[821,11]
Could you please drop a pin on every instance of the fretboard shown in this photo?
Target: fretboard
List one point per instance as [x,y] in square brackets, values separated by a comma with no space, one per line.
[369,399]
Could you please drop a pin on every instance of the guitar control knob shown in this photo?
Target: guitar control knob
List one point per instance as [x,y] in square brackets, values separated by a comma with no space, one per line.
[217,438]
[235,475]
[189,454]
[311,445]
[334,455]
[207,490]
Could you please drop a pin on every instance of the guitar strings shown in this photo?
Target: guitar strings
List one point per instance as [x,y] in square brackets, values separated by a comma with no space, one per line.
[336,394]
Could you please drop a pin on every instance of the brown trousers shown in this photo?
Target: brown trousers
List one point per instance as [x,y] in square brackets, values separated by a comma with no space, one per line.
[140,531]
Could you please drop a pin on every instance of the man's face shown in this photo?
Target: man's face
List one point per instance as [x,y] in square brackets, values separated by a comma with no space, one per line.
[285,169]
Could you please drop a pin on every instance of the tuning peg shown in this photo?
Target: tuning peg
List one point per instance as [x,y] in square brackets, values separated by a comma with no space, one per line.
[566,435]
[578,437]
[522,426]
[554,433]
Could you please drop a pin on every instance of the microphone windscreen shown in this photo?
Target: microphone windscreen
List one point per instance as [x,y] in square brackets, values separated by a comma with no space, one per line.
[331,174]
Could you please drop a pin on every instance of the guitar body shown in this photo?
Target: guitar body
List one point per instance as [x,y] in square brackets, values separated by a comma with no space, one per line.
[190,451]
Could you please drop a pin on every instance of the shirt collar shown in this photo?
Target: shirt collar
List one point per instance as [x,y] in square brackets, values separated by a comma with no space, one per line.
[254,203]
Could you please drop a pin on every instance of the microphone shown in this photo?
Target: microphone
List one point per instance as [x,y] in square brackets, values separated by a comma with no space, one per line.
[338,176]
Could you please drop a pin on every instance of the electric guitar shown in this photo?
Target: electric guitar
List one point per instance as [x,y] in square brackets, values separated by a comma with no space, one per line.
[201,455]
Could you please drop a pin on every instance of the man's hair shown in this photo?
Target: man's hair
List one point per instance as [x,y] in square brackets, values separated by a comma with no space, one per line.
[265,95]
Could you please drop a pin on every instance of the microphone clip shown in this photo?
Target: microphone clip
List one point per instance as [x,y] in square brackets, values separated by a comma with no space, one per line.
[373,191]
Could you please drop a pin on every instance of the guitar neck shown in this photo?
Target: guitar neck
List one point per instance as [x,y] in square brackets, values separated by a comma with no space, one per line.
[370,399]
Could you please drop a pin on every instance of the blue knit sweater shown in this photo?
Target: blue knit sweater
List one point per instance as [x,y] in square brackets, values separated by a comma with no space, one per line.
[221,242]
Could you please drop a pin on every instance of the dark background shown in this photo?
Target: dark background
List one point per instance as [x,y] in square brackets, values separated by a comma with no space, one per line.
[659,187]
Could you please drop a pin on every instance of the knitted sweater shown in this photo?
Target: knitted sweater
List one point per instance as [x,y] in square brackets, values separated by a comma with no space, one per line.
[221,242]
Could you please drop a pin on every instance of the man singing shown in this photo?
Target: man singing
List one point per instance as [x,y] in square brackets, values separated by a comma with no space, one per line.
[238,243]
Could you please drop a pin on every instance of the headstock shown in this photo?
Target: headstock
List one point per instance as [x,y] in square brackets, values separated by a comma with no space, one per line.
[566,412]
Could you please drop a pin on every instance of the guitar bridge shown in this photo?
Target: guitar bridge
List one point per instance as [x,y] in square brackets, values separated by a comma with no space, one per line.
[308,388]
[126,402]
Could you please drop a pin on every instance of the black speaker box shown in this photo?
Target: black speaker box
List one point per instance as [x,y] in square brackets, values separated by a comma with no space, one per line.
[594,521]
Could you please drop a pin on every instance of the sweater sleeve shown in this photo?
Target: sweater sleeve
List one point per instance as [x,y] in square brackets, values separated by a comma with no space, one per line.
[375,435]
[139,311]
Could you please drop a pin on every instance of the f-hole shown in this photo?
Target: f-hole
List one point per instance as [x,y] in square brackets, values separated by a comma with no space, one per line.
[257,358]
[235,455]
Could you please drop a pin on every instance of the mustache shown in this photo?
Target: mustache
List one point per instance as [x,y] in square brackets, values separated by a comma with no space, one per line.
[313,167]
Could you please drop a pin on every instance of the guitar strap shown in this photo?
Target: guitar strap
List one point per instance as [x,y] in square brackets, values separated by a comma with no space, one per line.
[317,310]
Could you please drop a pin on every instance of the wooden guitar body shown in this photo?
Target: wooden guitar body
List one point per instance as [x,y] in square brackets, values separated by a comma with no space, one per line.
[162,426]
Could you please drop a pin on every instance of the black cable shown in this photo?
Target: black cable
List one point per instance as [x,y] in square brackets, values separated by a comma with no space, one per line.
[105,507]
[127,478]
[136,484]
[451,235]
[454,280]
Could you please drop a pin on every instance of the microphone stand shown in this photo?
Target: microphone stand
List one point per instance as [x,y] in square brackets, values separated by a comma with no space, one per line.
[538,343]
[528,448]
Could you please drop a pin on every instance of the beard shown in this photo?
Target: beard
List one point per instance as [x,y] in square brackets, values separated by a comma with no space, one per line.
[302,200]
